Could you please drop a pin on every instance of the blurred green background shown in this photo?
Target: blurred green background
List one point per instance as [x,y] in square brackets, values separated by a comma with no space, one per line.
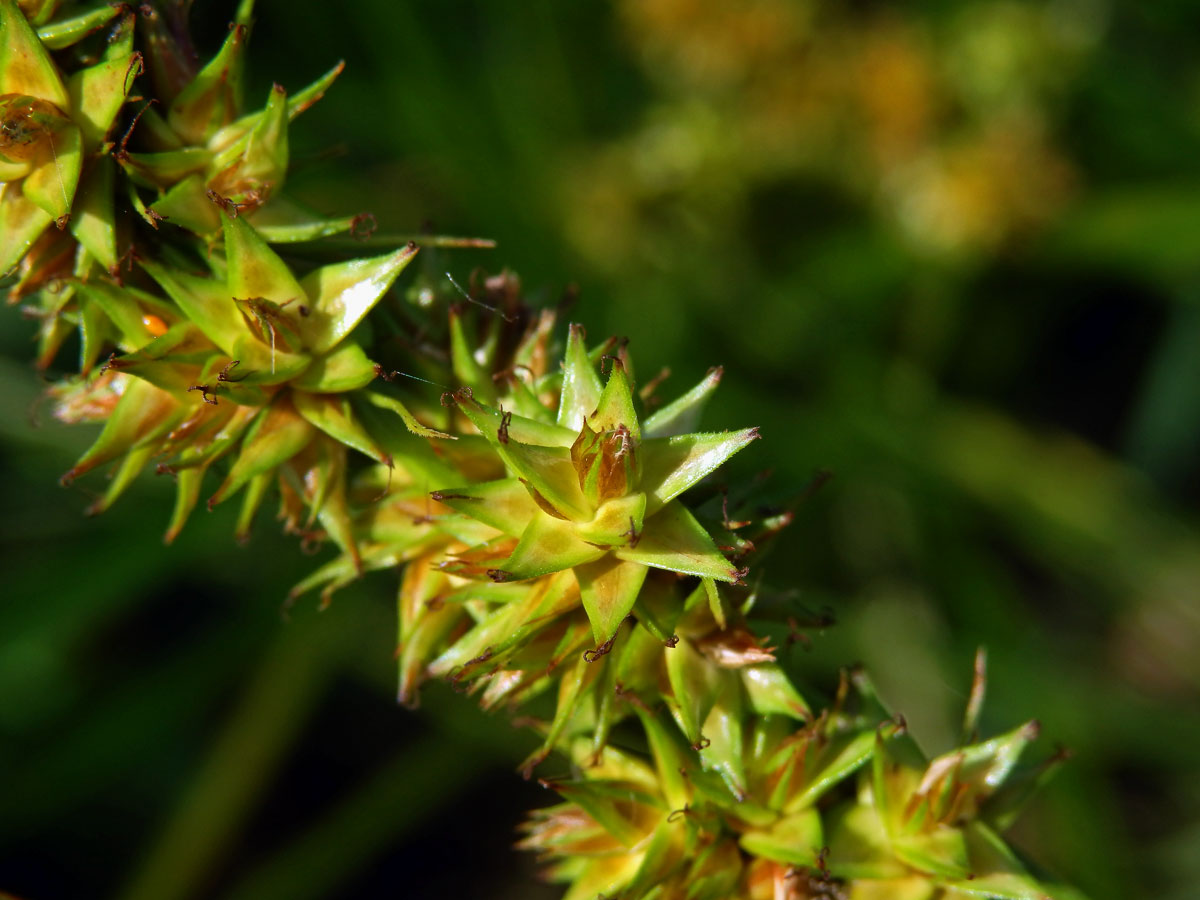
[949,251]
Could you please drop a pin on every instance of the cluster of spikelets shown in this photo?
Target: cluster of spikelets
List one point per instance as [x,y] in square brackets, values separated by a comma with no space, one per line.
[542,511]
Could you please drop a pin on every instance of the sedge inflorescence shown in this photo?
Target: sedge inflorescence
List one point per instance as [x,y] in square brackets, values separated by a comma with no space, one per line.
[555,526]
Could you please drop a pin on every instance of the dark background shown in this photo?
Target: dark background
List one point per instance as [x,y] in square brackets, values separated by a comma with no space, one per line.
[950,252]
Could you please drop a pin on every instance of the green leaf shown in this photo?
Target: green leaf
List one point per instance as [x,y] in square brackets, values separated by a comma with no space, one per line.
[143,413]
[1003,807]
[314,92]
[297,104]
[548,545]
[723,745]
[520,612]
[615,407]
[605,802]
[838,759]
[673,540]
[859,848]
[695,683]
[523,397]
[97,95]
[340,295]
[12,171]
[682,415]
[245,13]
[548,470]
[128,469]
[417,459]
[659,856]
[283,221]
[25,66]
[278,434]
[619,522]
[21,223]
[505,504]
[609,588]
[985,766]
[162,170]
[201,453]
[187,205]
[715,872]
[507,626]
[119,39]
[581,385]
[52,184]
[941,852]
[573,685]
[347,368]
[170,362]
[262,364]
[38,12]
[70,30]
[715,605]
[391,404]
[334,415]
[205,301]
[996,872]
[53,332]
[257,273]
[96,333]
[669,759]
[213,97]
[672,465]
[770,692]
[467,370]
[1006,887]
[92,220]
[255,167]
[187,493]
[794,840]
[492,422]
[256,491]
[420,643]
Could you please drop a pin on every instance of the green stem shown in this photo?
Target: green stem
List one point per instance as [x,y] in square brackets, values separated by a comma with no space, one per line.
[389,805]
[273,709]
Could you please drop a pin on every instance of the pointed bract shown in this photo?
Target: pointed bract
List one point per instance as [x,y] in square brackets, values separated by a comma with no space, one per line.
[340,295]
[25,66]
[609,588]
[674,464]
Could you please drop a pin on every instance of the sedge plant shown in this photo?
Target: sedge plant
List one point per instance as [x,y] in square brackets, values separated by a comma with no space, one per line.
[551,520]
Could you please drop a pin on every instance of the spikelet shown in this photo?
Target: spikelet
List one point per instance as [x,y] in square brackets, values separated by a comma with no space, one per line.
[551,531]
[844,806]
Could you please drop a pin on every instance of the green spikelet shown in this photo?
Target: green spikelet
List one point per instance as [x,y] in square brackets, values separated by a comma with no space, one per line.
[53,128]
[542,567]
[203,152]
[666,826]
[590,493]
[212,355]
[252,363]
[66,159]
